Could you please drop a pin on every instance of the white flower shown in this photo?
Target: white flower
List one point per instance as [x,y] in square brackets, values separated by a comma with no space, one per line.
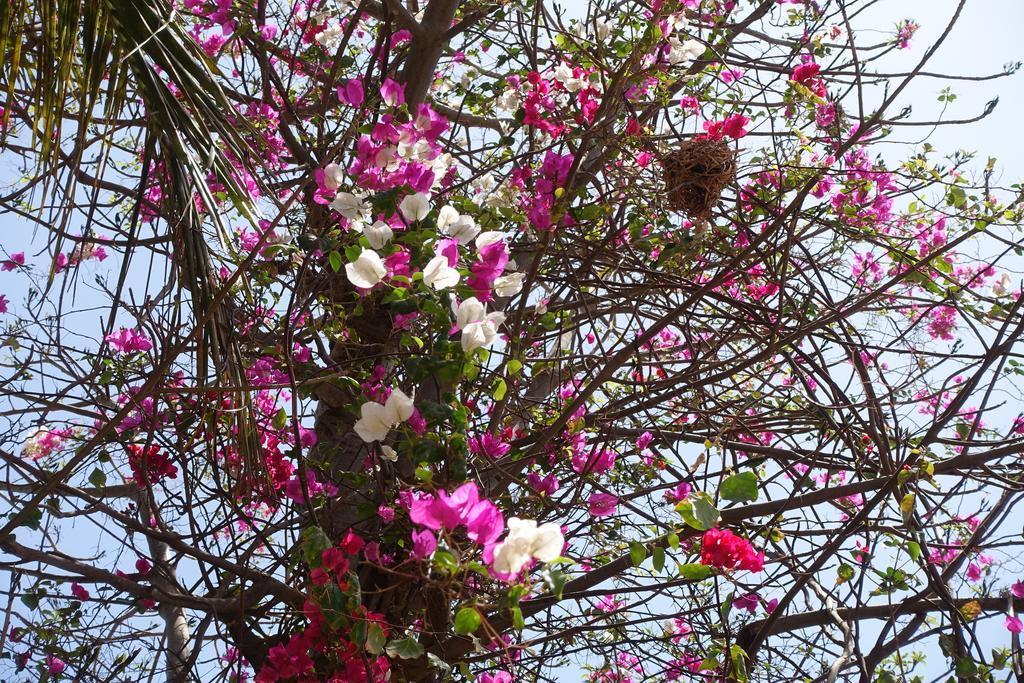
[377,420]
[481,333]
[367,270]
[415,207]
[446,216]
[508,100]
[330,37]
[564,75]
[484,183]
[489,237]
[479,328]
[526,540]
[469,311]
[334,176]
[1001,287]
[378,234]
[451,223]
[602,29]
[439,275]
[464,229]
[509,285]
[350,206]
[389,453]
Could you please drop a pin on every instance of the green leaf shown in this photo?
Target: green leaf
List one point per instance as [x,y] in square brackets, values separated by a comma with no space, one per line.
[659,559]
[514,367]
[637,553]
[97,478]
[695,571]
[517,618]
[375,639]
[914,548]
[555,581]
[845,573]
[406,648]
[500,387]
[725,609]
[698,512]
[314,543]
[280,419]
[673,541]
[467,620]
[740,488]
[335,260]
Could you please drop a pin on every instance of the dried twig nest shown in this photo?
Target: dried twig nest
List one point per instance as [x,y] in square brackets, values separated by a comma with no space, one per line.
[695,175]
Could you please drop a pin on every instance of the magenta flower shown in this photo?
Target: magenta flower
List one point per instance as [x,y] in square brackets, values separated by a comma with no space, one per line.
[749,602]
[484,522]
[423,544]
[351,92]
[80,592]
[128,341]
[1013,624]
[16,260]
[602,504]
[55,665]
[393,93]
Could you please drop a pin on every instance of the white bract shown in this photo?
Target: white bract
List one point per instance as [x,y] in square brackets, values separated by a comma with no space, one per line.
[350,206]
[526,540]
[367,270]
[377,420]
[439,275]
[415,207]
[685,52]
[450,222]
[482,333]
[479,328]
[378,234]
[509,285]
[334,176]
[469,311]
[489,237]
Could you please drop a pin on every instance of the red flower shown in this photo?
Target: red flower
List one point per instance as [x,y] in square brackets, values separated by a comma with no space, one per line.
[725,550]
[805,72]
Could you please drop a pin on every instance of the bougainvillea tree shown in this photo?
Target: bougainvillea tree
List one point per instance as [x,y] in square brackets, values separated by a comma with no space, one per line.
[359,340]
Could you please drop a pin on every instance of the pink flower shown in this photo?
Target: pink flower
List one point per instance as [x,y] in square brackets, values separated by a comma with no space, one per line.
[496,677]
[16,260]
[128,341]
[55,665]
[79,592]
[602,504]
[595,461]
[484,522]
[1013,624]
[393,93]
[351,92]
[546,485]
[1017,589]
[749,602]
[689,102]
[731,75]
[423,544]
[3,303]
[142,566]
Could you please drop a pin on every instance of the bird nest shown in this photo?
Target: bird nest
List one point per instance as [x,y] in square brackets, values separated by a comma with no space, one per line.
[695,175]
